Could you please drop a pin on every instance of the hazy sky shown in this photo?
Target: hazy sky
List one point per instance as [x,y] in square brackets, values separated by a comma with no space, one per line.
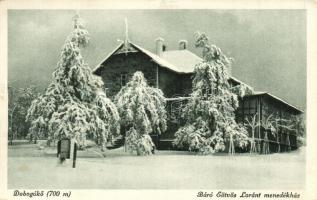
[268,46]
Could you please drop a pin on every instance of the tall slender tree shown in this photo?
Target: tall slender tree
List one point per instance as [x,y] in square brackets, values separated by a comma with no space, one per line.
[74,104]
[142,111]
[19,102]
[253,123]
[267,123]
[210,110]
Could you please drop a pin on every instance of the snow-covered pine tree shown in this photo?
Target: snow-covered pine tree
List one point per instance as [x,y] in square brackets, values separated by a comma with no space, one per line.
[210,110]
[142,111]
[74,105]
[242,90]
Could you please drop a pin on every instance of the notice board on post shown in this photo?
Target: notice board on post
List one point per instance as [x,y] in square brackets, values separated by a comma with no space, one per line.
[65,148]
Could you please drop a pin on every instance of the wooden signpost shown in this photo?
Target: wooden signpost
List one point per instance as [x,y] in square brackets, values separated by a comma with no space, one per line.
[67,149]
[74,154]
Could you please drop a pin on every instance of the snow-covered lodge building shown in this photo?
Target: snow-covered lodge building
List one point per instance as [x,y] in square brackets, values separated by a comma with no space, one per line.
[171,71]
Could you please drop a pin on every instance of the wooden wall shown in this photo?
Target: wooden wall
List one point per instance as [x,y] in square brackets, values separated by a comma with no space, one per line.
[265,106]
[171,83]
[128,64]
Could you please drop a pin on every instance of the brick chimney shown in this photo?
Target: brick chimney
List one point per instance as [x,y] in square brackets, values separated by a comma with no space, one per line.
[182,44]
[160,47]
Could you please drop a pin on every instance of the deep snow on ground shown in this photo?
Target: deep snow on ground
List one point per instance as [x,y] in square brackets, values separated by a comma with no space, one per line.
[29,167]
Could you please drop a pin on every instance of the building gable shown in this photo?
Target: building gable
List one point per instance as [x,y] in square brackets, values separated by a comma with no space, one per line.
[132,48]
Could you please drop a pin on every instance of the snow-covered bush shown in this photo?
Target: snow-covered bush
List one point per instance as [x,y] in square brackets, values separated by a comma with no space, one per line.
[210,110]
[142,111]
[74,105]
[143,144]
[301,141]
[242,90]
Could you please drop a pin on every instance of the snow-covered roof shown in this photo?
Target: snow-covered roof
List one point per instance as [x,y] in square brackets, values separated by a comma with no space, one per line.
[160,61]
[258,93]
[108,56]
[180,61]
[184,60]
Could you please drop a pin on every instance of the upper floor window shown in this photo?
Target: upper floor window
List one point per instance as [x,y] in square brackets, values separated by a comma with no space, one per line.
[107,85]
[124,79]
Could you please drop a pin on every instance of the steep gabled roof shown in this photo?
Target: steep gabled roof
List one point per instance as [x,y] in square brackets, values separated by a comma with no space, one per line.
[179,61]
[108,56]
[158,60]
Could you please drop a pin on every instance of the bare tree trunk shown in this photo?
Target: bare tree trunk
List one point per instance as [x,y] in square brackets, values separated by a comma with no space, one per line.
[11,127]
[102,147]
[253,148]
[266,147]
[125,145]
[138,151]
[278,143]
[11,138]
[35,137]
[288,142]
[231,146]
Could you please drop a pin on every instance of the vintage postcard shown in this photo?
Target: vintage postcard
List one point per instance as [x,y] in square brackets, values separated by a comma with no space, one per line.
[158,99]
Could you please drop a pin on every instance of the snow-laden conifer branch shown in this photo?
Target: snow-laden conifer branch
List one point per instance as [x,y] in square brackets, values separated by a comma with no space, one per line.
[74,105]
[142,111]
[210,110]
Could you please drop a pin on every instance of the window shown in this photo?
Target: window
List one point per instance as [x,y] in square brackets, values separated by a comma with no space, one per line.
[124,78]
[250,107]
[108,85]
